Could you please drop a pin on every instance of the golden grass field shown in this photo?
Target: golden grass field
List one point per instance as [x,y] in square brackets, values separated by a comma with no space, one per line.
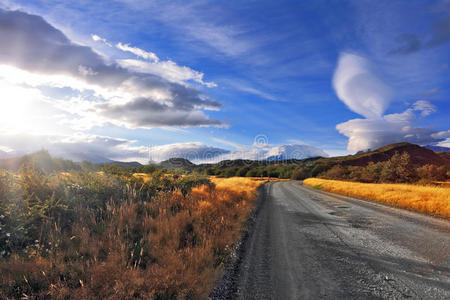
[172,247]
[434,200]
[238,184]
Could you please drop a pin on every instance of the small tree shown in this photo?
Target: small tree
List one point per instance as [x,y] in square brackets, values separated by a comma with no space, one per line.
[432,172]
[398,169]
[372,172]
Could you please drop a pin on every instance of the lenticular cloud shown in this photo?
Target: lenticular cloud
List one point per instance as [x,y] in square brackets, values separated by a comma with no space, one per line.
[363,92]
[359,88]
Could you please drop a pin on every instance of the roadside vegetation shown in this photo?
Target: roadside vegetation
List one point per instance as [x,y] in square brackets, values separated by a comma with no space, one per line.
[132,231]
[396,163]
[106,234]
[398,169]
[434,200]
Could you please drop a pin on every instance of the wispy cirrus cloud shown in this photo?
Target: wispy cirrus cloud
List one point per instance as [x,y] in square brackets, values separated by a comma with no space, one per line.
[151,64]
[138,52]
[198,22]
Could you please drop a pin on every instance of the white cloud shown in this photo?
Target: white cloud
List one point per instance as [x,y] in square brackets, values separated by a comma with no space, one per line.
[441,134]
[294,151]
[81,146]
[43,57]
[251,90]
[444,143]
[359,88]
[138,52]
[193,151]
[97,38]
[86,71]
[425,107]
[225,142]
[201,153]
[367,134]
[166,69]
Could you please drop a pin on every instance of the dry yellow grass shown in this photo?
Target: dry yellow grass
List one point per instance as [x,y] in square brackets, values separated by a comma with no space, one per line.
[172,246]
[433,200]
[238,184]
[146,177]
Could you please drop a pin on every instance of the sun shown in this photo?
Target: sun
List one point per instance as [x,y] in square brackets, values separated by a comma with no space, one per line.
[18,108]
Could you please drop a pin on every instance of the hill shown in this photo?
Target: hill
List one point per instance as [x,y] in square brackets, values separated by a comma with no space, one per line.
[40,159]
[420,156]
[125,164]
[176,163]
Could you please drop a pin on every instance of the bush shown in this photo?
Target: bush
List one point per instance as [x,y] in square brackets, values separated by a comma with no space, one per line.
[336,172]
[432,172]
[299,174]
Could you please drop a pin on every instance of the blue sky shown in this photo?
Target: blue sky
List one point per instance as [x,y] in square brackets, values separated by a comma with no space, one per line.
[270,68]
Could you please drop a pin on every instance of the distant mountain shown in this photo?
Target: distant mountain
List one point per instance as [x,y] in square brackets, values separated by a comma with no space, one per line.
[174,163]
[125,164]
[42,160]
[82,156]
[437,148]
[285,152]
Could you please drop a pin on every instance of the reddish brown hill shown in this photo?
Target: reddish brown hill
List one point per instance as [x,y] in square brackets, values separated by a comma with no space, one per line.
[419,156]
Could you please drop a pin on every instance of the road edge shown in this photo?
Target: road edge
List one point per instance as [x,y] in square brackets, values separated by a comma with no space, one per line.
[227,286]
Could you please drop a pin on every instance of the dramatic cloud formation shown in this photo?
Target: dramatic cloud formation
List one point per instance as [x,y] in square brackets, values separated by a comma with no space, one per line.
[358,87]
[144,112]
[367,134]
[29,43]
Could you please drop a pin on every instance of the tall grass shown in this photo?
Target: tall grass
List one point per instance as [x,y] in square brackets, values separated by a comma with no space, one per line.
[433,200]
[107,237]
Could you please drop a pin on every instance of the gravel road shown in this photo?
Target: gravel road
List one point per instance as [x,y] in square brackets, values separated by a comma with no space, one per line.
[309,244]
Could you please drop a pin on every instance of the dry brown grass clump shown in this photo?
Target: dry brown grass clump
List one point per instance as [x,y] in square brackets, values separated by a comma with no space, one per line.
[172,246]
[433,200]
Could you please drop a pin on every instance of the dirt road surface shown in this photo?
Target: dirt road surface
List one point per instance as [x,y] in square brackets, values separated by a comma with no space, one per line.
[309,244]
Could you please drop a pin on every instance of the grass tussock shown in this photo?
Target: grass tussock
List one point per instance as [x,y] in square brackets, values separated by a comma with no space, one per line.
[433,200]
[97,236]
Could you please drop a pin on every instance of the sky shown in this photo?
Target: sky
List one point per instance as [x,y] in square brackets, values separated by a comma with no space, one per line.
[211,80]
